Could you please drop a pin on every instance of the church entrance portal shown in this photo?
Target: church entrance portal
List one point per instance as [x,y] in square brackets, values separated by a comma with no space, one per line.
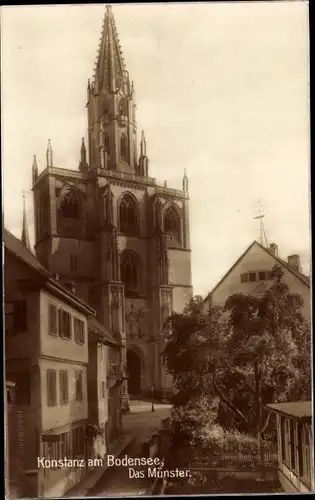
[134,371]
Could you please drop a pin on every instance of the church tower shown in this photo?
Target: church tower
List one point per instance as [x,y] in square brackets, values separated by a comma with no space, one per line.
[112,229]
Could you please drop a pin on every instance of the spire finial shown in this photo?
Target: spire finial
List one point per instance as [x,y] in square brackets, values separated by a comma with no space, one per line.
[34,169]
[185,181]
[143,144]
[25,237]
[49,154]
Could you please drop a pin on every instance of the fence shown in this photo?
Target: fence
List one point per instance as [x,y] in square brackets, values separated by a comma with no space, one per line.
[224,457]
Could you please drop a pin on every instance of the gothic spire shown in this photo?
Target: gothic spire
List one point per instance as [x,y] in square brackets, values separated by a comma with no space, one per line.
[83,165]
[110,70]
[25,238]
[83,151]
[49,154]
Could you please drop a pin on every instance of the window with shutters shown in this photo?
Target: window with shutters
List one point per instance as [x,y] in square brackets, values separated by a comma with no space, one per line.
[79,386]
[64,386]
[51,387]
[262,275]
[78,326]
[252,277]
[52,320]
[64,324]
[15,316]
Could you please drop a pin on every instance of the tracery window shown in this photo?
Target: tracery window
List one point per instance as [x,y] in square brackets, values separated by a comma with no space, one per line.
[172,224]
[128,215]
[123,147]
[130,272]
[70,204]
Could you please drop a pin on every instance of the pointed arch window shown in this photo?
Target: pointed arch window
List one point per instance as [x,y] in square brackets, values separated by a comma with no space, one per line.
[128,215]
[130,272]
[70,205]
[123,147]
[172,224]
[106,143]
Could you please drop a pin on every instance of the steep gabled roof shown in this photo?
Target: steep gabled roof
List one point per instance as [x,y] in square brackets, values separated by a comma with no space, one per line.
[299,275]
[17,248]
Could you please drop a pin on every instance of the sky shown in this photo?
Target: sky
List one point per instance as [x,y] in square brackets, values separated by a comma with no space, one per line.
[222,89]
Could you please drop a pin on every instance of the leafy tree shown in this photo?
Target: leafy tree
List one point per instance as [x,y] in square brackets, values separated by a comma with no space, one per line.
[254,351]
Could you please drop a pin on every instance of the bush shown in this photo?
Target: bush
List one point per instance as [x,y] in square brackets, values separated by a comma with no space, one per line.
[189,421]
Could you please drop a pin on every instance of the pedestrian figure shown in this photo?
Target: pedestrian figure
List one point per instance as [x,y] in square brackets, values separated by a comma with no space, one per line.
[152,393]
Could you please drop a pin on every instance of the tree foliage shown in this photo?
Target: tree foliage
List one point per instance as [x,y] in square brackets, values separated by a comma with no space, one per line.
[251,352]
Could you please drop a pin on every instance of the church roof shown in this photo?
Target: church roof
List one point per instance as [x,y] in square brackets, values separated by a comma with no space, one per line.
[299,275]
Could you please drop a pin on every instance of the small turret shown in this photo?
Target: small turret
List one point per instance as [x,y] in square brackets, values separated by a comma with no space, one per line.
[49,154]
[143,160]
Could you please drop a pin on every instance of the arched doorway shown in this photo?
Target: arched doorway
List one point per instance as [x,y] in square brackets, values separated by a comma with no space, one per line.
[134,372]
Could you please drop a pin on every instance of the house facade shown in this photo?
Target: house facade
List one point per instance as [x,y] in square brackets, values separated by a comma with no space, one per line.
[123,238]
[252,274]
[295,445]
[46,350]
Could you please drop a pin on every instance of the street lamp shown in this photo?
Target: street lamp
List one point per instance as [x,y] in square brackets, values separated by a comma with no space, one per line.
[152,393]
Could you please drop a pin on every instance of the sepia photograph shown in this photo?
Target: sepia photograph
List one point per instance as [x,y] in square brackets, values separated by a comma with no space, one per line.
[157,249]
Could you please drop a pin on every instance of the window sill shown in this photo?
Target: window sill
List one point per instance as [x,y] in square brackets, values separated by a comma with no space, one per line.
[63,337]
[50,405]
[78,342]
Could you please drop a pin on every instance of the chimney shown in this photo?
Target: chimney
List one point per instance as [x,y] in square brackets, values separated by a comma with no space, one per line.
[294,262]
[274,249]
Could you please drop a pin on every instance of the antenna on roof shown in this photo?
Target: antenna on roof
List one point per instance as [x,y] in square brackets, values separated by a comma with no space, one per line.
[263,238]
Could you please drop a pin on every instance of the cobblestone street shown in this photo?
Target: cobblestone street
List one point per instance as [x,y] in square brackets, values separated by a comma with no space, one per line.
[140,423]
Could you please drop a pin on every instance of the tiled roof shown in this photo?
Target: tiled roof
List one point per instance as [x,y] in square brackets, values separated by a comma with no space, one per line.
[299,409]
[96,326]
[15,246]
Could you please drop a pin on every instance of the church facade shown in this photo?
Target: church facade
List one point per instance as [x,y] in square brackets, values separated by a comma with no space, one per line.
[110,228]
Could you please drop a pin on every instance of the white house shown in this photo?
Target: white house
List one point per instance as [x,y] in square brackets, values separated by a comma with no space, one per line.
[252,273]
